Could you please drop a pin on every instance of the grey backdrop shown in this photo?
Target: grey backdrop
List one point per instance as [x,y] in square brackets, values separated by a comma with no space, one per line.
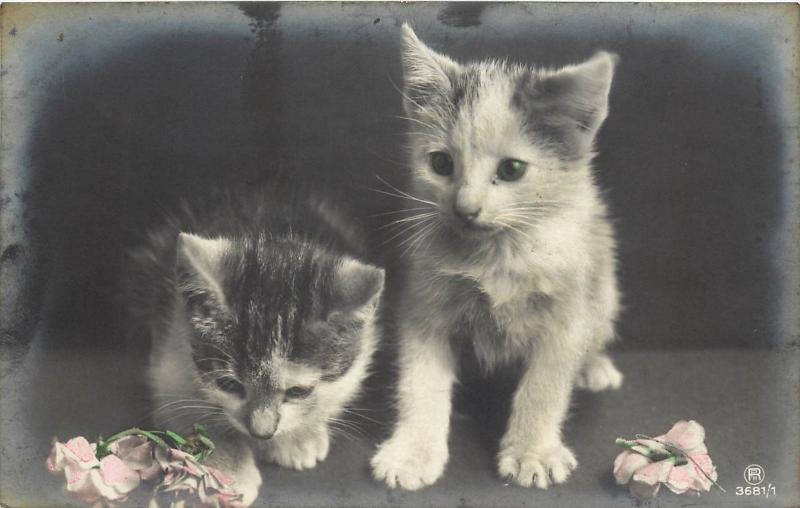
[111,112]
[694,153]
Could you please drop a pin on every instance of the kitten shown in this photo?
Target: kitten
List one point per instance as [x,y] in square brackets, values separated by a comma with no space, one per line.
[513,252]
[262,328]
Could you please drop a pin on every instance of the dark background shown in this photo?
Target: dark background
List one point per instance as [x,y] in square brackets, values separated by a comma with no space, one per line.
[691,155]
[113,112]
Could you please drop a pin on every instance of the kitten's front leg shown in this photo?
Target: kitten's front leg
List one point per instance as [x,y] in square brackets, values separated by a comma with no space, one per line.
[234,457]
[531,451]
[416,453]
[301,449]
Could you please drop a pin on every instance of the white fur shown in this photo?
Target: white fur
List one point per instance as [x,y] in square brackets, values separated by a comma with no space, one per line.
[546,275]
[302,446]
[300,442]
[417,452]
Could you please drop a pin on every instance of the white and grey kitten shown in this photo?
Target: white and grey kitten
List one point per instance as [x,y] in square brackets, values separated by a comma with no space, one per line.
[514,252]
[262,328]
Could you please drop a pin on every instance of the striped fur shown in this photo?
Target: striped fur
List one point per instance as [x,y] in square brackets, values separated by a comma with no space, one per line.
[261,323]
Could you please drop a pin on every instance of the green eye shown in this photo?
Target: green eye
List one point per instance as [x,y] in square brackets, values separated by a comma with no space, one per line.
[511,170]
[299,392]
[441,163]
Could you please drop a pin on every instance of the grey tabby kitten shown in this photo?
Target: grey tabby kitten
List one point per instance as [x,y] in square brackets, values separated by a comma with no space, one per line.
[513,252]
[262,328]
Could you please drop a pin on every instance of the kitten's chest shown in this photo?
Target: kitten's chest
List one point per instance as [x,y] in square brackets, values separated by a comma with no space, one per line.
[509,287]
[511,297]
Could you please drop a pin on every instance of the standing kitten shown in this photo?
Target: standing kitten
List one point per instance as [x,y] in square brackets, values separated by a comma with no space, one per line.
[513,252]
[261,327]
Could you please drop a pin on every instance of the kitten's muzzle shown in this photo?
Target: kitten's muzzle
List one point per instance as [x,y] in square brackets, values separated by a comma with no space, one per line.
[466,215]
[470,221]
[263,423]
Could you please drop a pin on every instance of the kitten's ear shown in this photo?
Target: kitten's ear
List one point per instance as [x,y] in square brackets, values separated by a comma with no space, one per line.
[426,73]
[356,285]
[573,102]
[201,258]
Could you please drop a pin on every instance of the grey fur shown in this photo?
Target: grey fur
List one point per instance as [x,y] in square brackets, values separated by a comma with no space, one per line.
[529,279]
[261,317]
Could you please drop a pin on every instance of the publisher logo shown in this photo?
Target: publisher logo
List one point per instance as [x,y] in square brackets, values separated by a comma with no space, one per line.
[754,474]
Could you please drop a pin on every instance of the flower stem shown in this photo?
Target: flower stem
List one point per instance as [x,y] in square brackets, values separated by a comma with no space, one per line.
[136,431]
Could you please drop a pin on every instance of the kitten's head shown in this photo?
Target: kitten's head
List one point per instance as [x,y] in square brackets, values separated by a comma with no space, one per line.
[495,146]
[273,323]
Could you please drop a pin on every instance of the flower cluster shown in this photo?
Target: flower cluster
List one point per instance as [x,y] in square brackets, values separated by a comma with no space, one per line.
[678,459]
[192,484]
[88,478]
[106,472]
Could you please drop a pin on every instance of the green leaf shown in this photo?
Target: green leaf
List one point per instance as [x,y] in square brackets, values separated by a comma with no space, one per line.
[176,437]
[206,441]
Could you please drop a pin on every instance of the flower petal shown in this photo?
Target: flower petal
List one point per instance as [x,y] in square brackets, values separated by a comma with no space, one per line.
[176,454]
[161,454]
[681,478]
[686,435]
[653,473]
[82,450]
[221,477]
[63,455]
[626,464]
[182,482]
[702,464]
[216,487]
[57,460]
[140,457]
[106,491]
[151,472]
[80,485]
[123,446]
[117,475]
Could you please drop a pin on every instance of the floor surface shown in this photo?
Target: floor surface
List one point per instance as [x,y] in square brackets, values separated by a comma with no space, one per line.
[746,401]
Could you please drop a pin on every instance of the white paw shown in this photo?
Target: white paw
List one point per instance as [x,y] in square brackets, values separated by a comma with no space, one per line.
[247,483]
[409,463]
[299,451]
[247,480]
[598,373]
[541,467]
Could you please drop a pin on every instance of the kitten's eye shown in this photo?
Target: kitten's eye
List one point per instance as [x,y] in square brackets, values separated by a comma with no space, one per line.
[511,170]
[441,163]
[231,386]
[299,392]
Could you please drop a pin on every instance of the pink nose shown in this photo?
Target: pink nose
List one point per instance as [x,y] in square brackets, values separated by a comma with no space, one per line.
[467,215]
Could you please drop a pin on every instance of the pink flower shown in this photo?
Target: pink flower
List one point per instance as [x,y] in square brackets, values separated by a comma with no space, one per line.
[626,464]
[135,455]
[137,452]
[118,479]
[193,484]
[646,464]
[89,479]
[77,453]
[691,477]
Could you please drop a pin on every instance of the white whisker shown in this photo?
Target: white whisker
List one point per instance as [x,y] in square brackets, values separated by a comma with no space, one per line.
[404,193]
[404,210]
[412,218]
[420,237]
[420,122]
[407,228]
